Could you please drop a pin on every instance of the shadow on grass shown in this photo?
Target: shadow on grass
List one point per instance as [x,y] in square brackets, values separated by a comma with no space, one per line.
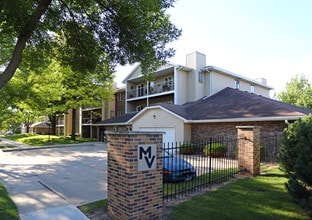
[8,209]
[44,140]
[262,197]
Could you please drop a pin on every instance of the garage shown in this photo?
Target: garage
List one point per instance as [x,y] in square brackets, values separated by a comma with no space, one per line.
[168,136]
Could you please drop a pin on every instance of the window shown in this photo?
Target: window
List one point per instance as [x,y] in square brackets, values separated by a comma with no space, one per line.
[168,80]
[252,88]
[119,97]
[119,113]
[236,84]
[151,87]
[200,77]
[140,90]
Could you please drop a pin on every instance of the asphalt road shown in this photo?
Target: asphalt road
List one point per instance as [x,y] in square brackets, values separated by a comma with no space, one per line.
[49,179]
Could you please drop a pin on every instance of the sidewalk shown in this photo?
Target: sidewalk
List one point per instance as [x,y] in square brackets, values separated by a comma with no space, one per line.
[21,146]
[4,142]
[48,185]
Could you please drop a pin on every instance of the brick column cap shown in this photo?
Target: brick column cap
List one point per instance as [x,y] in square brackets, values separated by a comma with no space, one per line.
[248,127]
[133,132]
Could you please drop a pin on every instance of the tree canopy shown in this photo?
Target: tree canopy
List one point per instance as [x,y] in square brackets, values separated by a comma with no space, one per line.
[51,93]
[298,92]
[83,34]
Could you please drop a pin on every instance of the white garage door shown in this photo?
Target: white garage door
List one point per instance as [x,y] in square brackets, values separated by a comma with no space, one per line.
[169,135]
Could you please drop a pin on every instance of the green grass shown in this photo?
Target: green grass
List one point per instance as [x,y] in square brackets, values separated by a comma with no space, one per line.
[218,176]
[8,210]
[263,197]
[92,207]
[7,146]
[42,140]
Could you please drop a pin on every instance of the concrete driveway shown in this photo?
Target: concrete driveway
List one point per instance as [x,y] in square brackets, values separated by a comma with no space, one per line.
[50,183]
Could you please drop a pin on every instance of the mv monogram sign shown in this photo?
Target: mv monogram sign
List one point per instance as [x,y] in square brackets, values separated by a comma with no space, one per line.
[147,156]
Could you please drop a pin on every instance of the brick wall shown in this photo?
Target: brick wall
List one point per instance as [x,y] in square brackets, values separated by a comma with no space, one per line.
[205,130]
[133,194]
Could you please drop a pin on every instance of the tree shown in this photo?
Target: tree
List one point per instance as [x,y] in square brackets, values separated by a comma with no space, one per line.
[19,99]
[53,92]
[49,89]
[298,92]
[295,158]
[86,90]
[81,34]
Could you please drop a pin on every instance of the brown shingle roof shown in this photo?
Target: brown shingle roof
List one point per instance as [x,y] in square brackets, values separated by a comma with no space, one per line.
[227,104]
[118,120]
[233,103]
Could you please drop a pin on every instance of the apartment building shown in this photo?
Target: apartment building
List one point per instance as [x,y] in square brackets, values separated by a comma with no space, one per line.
[179,84]
[86,117]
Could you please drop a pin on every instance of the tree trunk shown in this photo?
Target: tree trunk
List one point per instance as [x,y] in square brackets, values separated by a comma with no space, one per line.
[53,119]
[27,124]
[24,36]
[73,133]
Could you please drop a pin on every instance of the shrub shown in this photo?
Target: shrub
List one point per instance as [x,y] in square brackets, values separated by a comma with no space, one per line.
[295,158]
[217,150]
[188,148]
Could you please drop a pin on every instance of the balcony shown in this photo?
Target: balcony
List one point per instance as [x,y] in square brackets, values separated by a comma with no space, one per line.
[157,88]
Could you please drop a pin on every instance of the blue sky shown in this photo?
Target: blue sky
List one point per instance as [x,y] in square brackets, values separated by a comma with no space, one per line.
[254,38]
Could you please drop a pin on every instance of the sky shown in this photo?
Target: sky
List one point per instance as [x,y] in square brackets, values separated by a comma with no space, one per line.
[269,39]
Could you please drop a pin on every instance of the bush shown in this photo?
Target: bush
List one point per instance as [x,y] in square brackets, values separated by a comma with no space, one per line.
[295,158]
[188,148]
[217,150]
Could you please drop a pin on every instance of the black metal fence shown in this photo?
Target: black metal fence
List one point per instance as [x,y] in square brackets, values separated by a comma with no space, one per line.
[270,144]
[193,166]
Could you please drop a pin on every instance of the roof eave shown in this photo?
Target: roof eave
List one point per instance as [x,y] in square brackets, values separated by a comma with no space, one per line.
[157,107]
[278,118]
[132,71]
[113,124]
[214,68]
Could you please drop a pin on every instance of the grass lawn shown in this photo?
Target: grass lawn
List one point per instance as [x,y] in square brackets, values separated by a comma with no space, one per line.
[42,140]
[7,146]
[8,210]
[217,176]
[94,206]
[263,197]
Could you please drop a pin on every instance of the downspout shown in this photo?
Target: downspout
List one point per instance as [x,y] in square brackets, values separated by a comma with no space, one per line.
[175,81]
[147,93]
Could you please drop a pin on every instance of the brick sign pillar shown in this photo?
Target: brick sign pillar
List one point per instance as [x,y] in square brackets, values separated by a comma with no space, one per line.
[135,182]
[249,149]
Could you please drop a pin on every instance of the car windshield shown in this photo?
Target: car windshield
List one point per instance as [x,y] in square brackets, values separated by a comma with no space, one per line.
[166,154]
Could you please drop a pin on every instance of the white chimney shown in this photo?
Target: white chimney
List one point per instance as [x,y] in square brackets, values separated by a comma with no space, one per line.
[261,80]
[196,60]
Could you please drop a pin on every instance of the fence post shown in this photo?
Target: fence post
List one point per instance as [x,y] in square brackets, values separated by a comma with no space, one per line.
[135,182]
[249,149]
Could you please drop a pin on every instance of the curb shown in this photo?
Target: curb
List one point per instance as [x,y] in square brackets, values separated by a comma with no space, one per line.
[50,147]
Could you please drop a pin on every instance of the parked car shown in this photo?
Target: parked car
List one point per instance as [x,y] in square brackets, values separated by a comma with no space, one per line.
[176,169]
[9,132]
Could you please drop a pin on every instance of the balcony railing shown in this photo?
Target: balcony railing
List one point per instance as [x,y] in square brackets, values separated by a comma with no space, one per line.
[151,90]
[90,120]
[60,122]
